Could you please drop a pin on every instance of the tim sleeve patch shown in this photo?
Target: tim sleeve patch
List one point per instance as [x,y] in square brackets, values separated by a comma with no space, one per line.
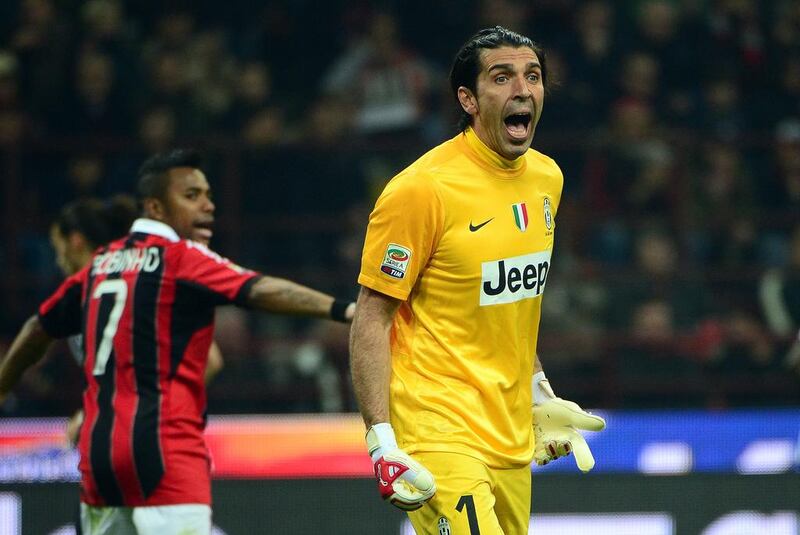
[395,260]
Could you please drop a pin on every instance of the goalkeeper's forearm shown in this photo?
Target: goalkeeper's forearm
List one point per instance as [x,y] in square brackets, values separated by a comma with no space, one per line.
[370,357]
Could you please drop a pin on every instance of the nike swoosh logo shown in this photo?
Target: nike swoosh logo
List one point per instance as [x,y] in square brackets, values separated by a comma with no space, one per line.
[473,228]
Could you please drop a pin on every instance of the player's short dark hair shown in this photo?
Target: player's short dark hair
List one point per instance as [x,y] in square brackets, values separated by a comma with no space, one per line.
[153,177]
[100,221]
[467,63]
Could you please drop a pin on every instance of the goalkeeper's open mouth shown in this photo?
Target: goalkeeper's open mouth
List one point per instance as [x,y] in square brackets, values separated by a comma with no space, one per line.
[518,126]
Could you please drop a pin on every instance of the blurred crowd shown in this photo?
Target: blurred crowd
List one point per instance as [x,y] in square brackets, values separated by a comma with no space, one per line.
[676,277]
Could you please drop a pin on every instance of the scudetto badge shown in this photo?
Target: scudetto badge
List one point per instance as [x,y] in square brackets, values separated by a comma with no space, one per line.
[395,260]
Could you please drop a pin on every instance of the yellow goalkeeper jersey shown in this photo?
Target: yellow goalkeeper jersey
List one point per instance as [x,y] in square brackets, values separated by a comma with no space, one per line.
[464,238]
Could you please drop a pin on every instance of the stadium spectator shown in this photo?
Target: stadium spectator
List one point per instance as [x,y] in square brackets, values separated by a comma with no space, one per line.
[658,276]
[14,120]
[388,82]
[782,101]
[654,356]
[108,31]
[670,37]
[747,352]
[592,58]
[781,186]
[42,42]
[253,92]
[96,105]
[212,76]
[512,14]
[629,181]
[170,86]
[779,293]
[721,228]
[640,79]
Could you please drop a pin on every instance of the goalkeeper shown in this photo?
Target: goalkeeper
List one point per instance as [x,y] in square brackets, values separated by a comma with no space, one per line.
[443,344]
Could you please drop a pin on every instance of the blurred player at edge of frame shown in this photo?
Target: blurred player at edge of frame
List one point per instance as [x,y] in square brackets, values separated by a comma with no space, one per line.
[79,229]
[145,307]
[443,343]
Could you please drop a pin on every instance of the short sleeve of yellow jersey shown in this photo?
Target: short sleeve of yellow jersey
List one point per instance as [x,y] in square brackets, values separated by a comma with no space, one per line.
[402,233]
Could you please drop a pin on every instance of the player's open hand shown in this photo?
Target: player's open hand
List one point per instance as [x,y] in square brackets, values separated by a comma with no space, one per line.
[555,425]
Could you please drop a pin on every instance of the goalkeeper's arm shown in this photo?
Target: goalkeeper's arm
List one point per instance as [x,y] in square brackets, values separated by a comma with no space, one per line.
[555,425]
[370,358]
[402,481]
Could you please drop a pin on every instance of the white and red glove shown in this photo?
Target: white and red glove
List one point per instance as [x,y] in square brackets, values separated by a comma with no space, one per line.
[402,481]
[555,424]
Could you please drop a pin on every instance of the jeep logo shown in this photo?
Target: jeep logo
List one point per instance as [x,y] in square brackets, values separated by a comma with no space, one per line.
[513,279]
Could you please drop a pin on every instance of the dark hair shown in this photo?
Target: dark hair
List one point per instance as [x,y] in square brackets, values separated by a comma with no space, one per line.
[99,221]
[153,178]
[467,63]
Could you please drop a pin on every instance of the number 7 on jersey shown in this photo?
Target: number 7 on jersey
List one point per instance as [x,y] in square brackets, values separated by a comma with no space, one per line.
[119,289]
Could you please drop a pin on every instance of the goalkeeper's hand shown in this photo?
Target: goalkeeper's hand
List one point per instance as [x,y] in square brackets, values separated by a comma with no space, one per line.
[555,424]
[402,481]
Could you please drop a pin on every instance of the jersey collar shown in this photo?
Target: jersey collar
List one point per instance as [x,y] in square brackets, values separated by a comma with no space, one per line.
[151,226]
[490,159]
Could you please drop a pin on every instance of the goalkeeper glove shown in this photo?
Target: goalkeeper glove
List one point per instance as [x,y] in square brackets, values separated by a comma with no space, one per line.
[555,421]
[402,481]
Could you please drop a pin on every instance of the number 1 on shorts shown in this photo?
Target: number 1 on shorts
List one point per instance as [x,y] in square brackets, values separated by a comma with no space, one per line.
[468,502]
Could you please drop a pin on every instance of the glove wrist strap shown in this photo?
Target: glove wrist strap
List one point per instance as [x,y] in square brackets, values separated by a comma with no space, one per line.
[380,439]
[542,391]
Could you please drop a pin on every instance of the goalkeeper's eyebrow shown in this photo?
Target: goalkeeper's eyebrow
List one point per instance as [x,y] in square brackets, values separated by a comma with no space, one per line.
[507,67]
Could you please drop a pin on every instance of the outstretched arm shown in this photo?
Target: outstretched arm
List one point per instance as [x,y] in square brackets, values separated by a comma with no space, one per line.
[283,296]
[27,349]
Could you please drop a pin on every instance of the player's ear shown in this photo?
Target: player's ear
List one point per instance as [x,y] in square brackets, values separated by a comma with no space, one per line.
[153,208]
[467,100]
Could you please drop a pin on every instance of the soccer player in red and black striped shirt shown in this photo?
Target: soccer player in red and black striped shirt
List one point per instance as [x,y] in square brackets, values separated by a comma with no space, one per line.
[145,306]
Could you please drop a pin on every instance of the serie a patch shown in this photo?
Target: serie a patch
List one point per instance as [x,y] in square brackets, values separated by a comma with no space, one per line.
[395,260]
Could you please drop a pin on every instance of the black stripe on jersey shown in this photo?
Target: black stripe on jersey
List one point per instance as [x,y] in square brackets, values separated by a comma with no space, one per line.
[190,313]
[146,441]
[85,312]
[100,450]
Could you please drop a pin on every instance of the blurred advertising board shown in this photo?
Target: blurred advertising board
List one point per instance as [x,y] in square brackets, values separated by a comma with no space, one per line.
[332,446]
[657,473]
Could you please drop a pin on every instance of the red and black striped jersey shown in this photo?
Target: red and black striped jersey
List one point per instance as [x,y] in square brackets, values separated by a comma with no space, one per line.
[145,306]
